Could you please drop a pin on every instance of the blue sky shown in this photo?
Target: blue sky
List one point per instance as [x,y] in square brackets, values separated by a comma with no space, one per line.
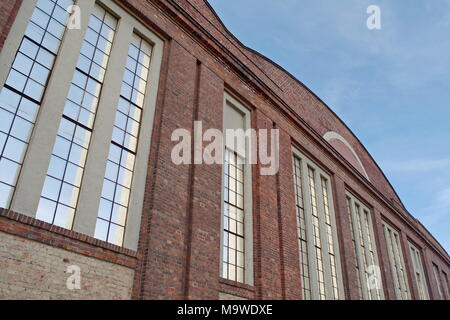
[390,86]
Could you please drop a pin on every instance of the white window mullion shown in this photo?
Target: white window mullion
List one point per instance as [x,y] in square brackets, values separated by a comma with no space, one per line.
[331,235]
[368,243]
[236,248]
[90,195]
[402,270]
[37,158]
[324,237]
[14,40]
[359,250]
[319,232]
[340,282]
[365,248]
[302,229]
[394,271]
[60,194]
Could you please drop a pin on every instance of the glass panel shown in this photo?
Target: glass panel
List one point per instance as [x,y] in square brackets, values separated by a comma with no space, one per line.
[397,263]
[301,230]
[22,94]
[74,134]
[101,229]
[418,272]
[329,231]
[119,169]
[233,258]
[438,281]
[316,232]
[315,228]
[5,195]
[445,281]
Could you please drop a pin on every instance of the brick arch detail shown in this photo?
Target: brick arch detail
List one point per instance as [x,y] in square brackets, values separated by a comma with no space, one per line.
[346,150]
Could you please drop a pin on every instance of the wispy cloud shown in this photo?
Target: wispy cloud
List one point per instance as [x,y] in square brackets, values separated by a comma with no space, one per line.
[435,217]
[416,165]
[390,86]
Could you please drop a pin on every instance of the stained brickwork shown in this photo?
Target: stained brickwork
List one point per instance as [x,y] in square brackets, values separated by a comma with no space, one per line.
[32,270]
[8,11]
[179,247]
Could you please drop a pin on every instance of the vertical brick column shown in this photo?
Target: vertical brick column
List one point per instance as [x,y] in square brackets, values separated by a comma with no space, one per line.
[8,12]
[347,253]
[204,250]
[164,226]
[287,218]
[267,262]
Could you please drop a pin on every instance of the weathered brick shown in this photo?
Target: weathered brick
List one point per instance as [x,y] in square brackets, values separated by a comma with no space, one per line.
[178,254]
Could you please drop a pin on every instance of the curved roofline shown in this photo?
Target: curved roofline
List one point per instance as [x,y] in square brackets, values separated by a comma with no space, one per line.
[213,11]
[307,88]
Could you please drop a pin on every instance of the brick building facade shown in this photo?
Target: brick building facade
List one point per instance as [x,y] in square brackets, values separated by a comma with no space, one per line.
[171,245]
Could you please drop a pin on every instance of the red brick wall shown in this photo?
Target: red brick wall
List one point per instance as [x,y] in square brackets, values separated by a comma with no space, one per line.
[205,206]
[266,228]
[8,11]
[178,254]
[276,258]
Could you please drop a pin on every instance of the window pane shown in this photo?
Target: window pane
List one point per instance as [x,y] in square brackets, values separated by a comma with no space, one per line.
[8,171]
[6,119]
[64,216]
[105,209]
[69,195]
[28,110]
[74,134]
[233,257]
[122,155]
[9,100]
[46,210]
[115,235]
[101,230]
[5,195]
[316,231]
[21,129]
[396,262]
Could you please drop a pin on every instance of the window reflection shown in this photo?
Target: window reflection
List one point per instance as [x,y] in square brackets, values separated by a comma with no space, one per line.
[316,231]
[396,262]
[112,213]
[62,185]
[233,259]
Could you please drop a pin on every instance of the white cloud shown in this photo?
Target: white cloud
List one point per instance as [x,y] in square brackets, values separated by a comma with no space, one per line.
[416,165]
[436,217]
[443,198]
